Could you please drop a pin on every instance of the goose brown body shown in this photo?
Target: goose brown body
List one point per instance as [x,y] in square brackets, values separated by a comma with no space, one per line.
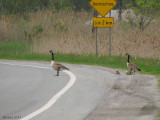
[57,66]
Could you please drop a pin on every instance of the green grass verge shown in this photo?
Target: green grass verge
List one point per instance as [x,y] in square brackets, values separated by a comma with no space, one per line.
[20,51]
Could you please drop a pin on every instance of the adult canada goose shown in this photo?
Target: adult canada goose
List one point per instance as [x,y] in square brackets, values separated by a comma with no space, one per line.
[56,66]
[132,66]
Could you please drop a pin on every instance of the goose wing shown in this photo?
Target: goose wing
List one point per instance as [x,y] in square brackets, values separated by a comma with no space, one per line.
[133,66]
[61,67]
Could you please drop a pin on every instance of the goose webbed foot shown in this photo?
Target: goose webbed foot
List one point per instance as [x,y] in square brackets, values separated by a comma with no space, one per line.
[58,73]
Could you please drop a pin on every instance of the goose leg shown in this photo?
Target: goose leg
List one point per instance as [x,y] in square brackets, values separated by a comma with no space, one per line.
[58,72]
[134,71]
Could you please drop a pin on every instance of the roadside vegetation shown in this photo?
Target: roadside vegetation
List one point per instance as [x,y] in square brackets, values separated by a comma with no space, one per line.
[20,51]
[64,32]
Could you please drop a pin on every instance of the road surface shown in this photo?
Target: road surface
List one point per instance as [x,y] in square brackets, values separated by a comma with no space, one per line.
[30,90]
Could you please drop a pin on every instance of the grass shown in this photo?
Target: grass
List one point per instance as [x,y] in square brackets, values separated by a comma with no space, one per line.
[20,51]
[45,30]
[148,66]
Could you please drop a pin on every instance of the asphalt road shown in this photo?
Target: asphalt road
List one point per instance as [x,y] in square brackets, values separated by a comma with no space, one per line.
[32,89]
[25,89]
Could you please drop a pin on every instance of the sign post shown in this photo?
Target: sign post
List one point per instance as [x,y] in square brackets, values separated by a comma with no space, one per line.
[103,7]
[96,43]
[110,37]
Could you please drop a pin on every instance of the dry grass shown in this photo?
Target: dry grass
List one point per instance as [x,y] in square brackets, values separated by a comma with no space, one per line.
[74,36]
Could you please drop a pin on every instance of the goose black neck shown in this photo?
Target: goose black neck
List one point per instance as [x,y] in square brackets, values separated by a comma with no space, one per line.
[52,56]
[128,59]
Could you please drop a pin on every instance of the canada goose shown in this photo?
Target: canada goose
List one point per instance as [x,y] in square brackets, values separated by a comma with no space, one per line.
[132,66]
[56,66]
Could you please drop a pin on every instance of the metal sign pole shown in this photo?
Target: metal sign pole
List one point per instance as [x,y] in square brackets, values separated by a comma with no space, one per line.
[96,43]
[96,14]
[110,37]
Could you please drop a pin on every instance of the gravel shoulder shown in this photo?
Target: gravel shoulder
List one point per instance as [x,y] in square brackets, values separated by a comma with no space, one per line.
[132,97]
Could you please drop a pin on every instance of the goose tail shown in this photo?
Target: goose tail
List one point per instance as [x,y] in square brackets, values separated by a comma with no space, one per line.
[139,69]
[66,68]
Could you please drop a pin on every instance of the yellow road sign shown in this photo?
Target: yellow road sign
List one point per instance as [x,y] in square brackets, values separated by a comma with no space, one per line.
[103,6]
[103,22]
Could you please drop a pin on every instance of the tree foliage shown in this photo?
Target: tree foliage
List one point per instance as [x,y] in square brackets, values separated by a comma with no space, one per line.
[145,11]
[19,6]
[24,6]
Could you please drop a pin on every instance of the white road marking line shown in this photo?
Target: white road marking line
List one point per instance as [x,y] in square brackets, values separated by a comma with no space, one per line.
[25,65]
[52,101]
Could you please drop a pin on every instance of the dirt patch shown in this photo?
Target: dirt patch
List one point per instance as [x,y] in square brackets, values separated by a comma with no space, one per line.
[133,97]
